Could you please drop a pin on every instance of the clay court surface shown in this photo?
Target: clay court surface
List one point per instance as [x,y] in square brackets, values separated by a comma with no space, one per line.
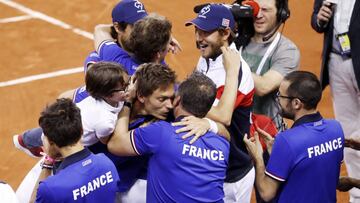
[39,37]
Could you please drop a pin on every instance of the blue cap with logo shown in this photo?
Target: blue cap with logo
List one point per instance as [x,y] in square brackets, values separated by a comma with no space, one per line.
[128,11]
[212,17]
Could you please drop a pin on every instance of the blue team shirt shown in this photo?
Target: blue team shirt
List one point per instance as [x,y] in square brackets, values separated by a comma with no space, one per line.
[307,160]
[178,171]
[129,168]
[81,177]
[92,58]
[132,168]
[110,51]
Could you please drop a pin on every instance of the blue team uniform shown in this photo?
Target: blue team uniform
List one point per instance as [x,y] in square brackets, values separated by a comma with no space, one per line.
[178,171]
[132,168]
[92,58]
[307,159]
[112,52]
[80,94]
[129,168]
[81,177]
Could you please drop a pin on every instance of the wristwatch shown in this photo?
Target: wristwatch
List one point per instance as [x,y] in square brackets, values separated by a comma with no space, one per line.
[46,166]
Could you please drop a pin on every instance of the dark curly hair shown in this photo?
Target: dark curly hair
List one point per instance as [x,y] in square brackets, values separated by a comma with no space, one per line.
[149,36]
[61,122]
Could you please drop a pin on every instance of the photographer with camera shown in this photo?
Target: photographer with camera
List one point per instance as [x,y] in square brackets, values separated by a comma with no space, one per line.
[271,56]
[339,21]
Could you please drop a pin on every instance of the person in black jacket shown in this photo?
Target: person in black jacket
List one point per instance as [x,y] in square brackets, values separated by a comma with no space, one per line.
[339,21]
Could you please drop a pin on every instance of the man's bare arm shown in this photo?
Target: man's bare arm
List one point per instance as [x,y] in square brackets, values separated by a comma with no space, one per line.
[101,33]
[119,143]
[197,127]
[267,83]
[353,142]
[347,183]
[223,111]
[266,185]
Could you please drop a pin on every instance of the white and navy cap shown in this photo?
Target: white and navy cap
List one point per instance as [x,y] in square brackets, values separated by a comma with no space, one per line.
[212,17]
[128,11]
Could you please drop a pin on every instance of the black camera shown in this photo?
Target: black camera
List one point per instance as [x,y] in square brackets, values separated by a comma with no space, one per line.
[236,9]
[240,12]
[244,18]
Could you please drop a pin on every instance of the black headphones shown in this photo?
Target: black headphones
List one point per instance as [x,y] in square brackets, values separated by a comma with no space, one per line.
[283,11]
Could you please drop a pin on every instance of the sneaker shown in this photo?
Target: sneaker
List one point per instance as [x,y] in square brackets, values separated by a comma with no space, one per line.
[33,152]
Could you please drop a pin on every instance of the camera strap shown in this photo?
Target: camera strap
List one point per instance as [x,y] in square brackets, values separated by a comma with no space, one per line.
[267,53]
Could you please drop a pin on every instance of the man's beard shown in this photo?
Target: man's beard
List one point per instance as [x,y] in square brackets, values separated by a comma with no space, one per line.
[215,50]
[289,114]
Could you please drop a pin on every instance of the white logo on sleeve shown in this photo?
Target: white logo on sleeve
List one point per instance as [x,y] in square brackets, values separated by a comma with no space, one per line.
[191,150]
[324,148]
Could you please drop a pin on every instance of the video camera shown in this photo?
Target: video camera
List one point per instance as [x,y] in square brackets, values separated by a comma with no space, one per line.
[244,13]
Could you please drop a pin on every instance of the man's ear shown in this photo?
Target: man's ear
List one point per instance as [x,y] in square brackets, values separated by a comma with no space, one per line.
[140,98]
[157,57]
[116,26]
[297,104]
[226,34]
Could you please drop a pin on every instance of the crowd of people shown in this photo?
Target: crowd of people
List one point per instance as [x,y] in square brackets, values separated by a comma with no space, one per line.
[133,133]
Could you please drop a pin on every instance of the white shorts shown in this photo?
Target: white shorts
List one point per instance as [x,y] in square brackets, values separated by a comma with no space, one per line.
[7,194]
[27,185]
[136,194]
[241,190]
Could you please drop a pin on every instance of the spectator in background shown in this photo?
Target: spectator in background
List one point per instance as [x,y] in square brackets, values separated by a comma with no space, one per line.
[339,21]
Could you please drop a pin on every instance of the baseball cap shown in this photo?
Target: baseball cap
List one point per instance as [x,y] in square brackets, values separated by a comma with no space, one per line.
[128,11]
[265,123]
[212,17]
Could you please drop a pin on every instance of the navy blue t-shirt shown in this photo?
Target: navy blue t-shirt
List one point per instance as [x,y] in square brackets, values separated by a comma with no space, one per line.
[81,177]
[178,171]
[307,160]
[110,51]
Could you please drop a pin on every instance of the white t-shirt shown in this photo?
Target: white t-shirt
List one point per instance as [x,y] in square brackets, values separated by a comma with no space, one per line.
[98,119]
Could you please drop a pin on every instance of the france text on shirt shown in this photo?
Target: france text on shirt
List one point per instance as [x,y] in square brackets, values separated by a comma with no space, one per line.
[92,185]
[325,147]
[215,155]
